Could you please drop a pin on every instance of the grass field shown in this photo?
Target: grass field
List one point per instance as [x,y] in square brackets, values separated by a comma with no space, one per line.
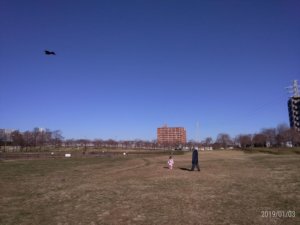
[233,187]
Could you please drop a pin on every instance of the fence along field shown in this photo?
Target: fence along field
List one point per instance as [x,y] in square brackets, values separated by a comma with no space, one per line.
[233,187]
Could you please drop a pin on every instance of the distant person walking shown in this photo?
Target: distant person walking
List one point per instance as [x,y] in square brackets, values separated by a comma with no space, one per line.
[195,161]
[170,162]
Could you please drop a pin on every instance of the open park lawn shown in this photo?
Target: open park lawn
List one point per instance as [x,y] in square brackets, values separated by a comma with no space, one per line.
[233,187]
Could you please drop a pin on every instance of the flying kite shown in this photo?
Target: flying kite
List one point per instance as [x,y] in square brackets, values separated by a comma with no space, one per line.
[49,52]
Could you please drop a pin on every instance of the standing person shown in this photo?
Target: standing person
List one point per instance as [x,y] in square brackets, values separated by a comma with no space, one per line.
[170,163]
[195,161]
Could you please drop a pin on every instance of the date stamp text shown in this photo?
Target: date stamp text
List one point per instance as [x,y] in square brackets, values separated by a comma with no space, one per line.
[278,213]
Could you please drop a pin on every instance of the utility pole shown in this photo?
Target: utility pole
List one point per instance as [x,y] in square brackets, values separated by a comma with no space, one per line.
[197,135]
[294,89]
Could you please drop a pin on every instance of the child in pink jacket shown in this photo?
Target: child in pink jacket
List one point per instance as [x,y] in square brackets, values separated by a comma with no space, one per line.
[170,163]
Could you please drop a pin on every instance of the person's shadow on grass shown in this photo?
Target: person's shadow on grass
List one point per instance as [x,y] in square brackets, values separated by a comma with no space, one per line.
[183,168]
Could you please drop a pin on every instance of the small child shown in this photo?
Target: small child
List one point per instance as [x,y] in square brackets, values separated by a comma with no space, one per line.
[170,163]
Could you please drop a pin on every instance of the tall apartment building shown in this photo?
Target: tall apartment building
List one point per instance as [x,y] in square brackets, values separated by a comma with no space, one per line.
[171,135]
[294,107]
[294,112]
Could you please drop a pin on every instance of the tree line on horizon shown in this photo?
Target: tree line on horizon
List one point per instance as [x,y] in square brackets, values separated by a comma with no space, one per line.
[281,136]
[38,139]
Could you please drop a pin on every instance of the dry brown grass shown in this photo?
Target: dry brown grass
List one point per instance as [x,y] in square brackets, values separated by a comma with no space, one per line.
[232,188]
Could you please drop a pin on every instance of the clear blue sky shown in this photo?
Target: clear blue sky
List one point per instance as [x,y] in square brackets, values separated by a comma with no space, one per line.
[124,68]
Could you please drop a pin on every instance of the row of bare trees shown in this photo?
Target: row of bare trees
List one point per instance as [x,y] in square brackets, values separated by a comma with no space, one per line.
[110,143]
[37,138]
[281,136]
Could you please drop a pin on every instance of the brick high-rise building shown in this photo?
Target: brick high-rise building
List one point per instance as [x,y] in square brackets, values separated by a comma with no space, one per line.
[171,135]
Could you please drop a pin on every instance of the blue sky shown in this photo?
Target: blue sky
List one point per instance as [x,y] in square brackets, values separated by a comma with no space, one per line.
[124,68]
